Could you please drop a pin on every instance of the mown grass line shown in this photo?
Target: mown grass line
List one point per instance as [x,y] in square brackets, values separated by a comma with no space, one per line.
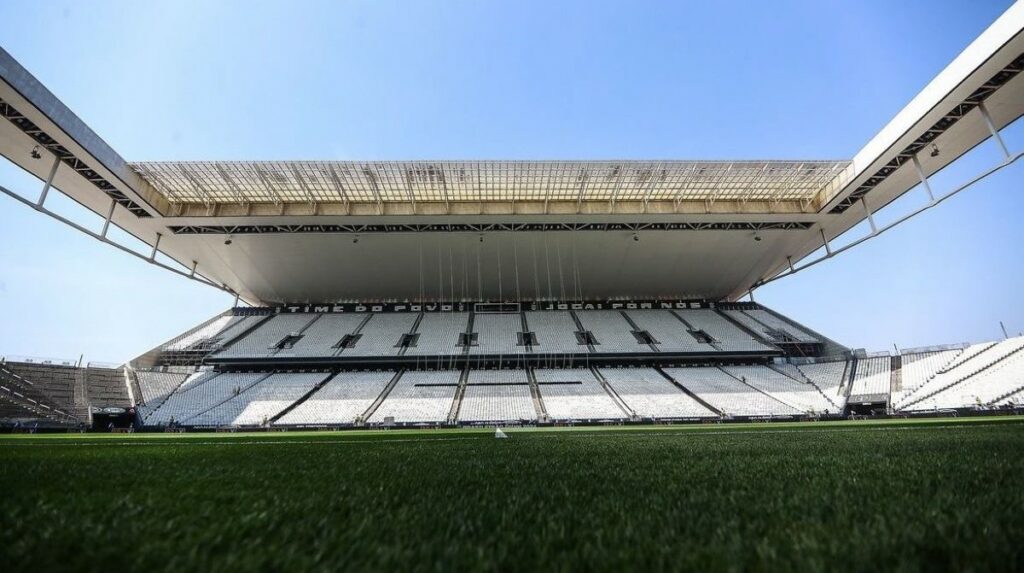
[393,434]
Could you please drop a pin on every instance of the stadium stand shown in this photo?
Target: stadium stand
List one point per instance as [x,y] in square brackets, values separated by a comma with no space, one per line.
[264,340]
[24,403]
[107,387]
[155,388]
[611,332]
[574,394]
[791,391]
[651,395]
[776,325]
[381,335]
[985,388]
[419,397]
[668,331]
[728,337]
[258,403]
[830,377]
[729,394]
[983,375]
[439,334]
[872,376]
[322,337]
[555,332]
[979,376]
[214,334]
[342,401]
[497,396]
[59,385]
[199,393]
[920,367]
[497,334]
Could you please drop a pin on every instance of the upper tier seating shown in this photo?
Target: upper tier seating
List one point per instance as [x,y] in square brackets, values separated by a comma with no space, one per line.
[671,334]
[728,337]
[497,395]
[555,331]
[651,395]
[727,394]
[382,335]
[439,334]
[217,333]
[344,398]
[771,321]
[419,396]
[574,394]
[497,334]
[611,331]
[262,341]
[322,337]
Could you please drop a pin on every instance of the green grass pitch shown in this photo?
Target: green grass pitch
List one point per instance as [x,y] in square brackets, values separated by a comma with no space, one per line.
[940,495]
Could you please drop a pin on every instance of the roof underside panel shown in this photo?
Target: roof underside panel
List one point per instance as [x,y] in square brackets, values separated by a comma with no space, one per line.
[501,181]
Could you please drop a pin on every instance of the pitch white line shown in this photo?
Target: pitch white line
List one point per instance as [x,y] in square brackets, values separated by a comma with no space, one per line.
[512,434]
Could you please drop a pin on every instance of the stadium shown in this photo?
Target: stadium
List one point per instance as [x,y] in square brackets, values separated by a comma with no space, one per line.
[600,312]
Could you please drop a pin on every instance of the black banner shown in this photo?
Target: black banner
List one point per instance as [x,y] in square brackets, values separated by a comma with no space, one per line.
[480,307]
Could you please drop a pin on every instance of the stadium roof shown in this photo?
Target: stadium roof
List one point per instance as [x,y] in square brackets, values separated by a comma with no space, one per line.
[322,231]
[417,182]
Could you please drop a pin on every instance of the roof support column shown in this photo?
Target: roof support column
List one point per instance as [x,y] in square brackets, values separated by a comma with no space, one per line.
[924,179]
[110,215]
[49,181]
[871,217]
[156,245]
[193,272]
[828,248]
[992,129]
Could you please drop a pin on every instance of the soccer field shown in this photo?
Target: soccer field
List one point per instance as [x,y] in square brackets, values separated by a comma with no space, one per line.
[945,494]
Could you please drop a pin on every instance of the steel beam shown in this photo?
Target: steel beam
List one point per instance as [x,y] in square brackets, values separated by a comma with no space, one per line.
[49,181]
[1011,160]
[871,217]
[156,246]
[992,129]
[923,178]
[102,239]
[110,215]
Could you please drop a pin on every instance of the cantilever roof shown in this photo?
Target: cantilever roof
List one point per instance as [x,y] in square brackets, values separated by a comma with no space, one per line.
[207,182]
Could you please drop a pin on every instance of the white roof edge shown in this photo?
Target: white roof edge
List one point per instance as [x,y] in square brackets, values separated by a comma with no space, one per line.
[1008,25]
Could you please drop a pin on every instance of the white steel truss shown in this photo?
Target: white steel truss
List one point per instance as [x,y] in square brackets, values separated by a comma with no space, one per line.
[446,182]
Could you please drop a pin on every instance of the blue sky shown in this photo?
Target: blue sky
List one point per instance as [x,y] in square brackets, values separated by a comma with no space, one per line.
[512,80]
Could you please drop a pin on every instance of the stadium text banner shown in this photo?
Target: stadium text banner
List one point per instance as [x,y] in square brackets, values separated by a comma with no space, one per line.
[484,307]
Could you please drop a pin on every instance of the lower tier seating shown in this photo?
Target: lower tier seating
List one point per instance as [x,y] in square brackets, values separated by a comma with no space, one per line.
[990,376]
[341,401]
[575,394]
[649,394]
